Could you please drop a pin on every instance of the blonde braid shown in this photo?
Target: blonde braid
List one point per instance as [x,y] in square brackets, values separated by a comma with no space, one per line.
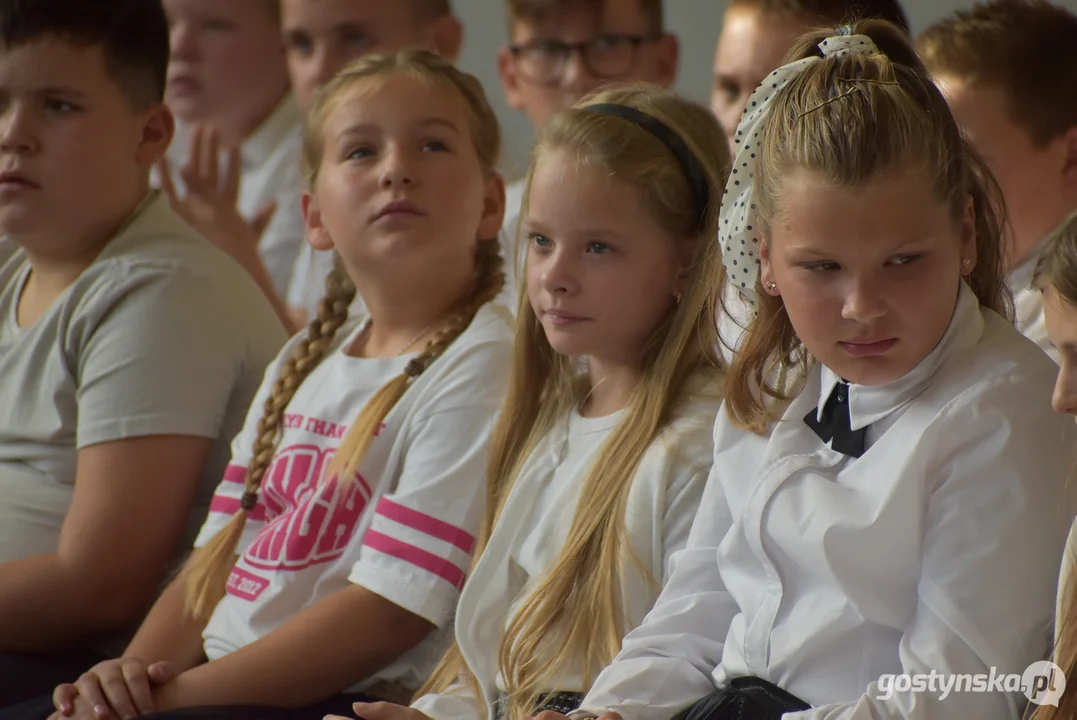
[489,280]
[208,569]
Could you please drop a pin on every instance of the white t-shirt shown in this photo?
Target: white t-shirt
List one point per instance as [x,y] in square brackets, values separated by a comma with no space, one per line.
[270,173]
[162,334]
[403,527]
[937,551]
[513,247]
[535,523]
[1028,304]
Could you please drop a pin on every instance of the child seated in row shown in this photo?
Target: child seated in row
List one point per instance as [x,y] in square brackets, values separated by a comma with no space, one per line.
[130,347]
[892,510]
[355,490]
[1009,71]
[1056,280]
[320,38]
[561,50]
[228,86]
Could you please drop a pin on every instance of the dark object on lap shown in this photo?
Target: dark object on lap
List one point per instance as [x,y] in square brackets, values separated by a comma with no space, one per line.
[746,698]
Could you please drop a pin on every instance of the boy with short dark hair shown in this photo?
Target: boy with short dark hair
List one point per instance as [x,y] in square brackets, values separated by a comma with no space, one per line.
[130,347]
[1009,70]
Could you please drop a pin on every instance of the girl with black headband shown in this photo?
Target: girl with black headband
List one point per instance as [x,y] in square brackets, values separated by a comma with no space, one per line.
[604,444]
[881,532]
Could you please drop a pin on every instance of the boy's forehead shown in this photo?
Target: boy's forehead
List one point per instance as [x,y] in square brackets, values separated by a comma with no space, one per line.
[328,14]
[54,62]
[578,21]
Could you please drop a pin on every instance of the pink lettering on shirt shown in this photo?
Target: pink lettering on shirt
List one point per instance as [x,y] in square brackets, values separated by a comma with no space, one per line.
[245,585]
[309,520]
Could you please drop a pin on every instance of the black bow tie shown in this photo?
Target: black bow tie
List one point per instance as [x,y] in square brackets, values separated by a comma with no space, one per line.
[835,423]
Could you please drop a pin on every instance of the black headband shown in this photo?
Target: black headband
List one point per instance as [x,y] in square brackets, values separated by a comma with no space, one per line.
[692,167]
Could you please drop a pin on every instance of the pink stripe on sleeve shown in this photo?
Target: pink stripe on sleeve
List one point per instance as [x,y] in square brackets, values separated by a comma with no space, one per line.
[426,524]
[418,557]
[230,506]
[235,474]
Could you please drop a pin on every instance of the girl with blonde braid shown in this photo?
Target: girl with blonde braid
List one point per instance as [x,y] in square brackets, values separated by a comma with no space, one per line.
[595,476]
[356,487]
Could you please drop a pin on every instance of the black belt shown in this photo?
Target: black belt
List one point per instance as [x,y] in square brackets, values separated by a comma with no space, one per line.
[559,702]
[746,698]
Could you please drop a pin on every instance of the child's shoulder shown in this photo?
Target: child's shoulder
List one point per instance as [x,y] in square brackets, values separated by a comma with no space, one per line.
[1002,366]
[158,247]
[689,435]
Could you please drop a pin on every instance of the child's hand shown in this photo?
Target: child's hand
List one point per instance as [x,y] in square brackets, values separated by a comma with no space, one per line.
[382,711]
[116,689]
[210,203]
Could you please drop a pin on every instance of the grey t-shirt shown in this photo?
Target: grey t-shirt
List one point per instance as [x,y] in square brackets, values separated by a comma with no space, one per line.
[163,334]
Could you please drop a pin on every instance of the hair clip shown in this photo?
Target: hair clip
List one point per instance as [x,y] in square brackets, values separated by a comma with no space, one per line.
[845,30]
[823,104]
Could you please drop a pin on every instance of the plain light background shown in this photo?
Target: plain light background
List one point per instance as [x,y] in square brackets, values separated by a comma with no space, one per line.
[696,22]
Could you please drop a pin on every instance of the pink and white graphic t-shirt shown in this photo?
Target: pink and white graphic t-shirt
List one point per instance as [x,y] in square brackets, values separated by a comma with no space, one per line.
[402,527]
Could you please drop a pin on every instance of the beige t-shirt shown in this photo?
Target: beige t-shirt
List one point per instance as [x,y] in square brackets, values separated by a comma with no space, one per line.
[162,335]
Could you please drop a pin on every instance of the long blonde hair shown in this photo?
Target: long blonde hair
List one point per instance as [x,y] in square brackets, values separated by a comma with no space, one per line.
[207,570]
[1057,270]
[851,119]
[575,614]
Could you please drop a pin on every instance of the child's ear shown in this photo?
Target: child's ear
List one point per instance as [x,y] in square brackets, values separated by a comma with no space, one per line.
[158,127]
[1069,167]
[493,209]
[509,81]
[447,37]
[766,271]
[667,59]
[317,235]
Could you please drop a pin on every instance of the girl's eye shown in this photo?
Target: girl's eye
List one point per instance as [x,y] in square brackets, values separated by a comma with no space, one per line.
[904,259]
[821,266]
[599,248]
[360,153]
[540,241]
[435,146]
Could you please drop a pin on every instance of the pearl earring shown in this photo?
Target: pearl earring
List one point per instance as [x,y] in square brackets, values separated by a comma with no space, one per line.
[772,285]
[965,264]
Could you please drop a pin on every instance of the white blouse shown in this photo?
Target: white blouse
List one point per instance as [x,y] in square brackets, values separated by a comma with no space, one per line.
[937,550]
[534,525]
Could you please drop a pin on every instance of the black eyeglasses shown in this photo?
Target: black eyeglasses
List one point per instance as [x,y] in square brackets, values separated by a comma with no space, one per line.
[606,56]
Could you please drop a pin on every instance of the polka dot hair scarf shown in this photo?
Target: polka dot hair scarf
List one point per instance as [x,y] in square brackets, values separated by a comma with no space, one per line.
[737,223]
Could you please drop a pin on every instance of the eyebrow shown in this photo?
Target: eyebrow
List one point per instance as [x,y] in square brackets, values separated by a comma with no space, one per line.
[535,226]
[368,128]
[60,90]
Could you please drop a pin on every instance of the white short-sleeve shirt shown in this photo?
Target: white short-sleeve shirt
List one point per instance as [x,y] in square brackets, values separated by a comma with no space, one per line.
[270,173]
[535,523]
[403,527]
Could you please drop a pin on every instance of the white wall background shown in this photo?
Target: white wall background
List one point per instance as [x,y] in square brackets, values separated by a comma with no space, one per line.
[696,22]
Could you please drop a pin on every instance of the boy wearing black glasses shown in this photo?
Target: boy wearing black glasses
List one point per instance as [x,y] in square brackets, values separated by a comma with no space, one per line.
[563,49]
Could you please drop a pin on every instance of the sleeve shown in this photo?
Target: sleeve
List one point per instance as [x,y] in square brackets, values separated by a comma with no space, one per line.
[153,355]
[418,548]
[226,497]
[666,663]
[994,535]
[682,503]
[307,284]
[456,702]
[282,239]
